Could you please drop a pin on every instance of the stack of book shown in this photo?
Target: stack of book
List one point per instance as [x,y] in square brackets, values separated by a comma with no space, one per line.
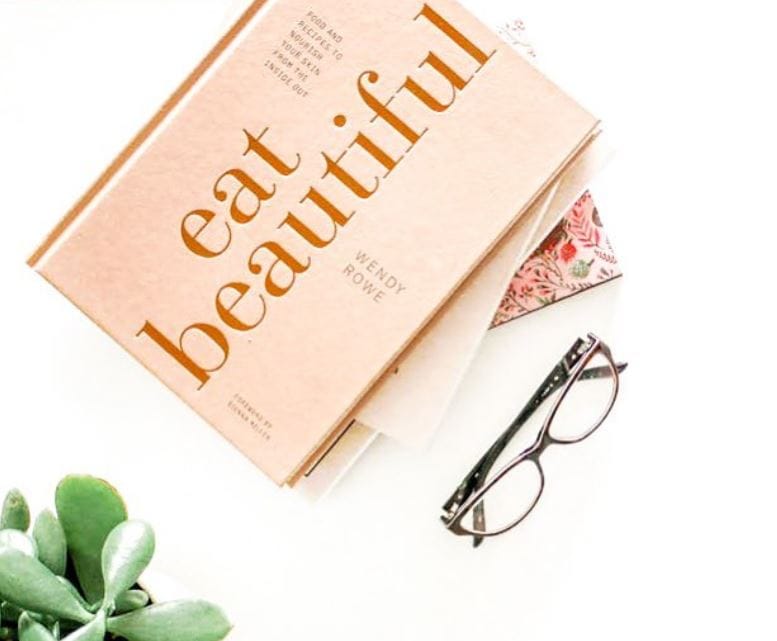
[311,237]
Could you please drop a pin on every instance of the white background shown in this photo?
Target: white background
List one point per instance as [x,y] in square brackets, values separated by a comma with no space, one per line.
[662,526]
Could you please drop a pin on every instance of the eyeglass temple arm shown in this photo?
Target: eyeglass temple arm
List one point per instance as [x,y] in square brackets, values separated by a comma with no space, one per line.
[602,372]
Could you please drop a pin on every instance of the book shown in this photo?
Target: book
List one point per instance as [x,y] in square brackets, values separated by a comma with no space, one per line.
[288,223]
[574,257]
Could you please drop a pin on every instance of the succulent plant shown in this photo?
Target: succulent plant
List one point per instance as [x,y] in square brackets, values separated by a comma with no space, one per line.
[75,575]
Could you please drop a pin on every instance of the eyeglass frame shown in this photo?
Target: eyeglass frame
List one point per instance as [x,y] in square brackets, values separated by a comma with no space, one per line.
[571,369]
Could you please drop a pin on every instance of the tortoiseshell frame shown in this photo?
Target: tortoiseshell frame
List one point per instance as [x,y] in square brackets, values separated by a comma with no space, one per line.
[570,369]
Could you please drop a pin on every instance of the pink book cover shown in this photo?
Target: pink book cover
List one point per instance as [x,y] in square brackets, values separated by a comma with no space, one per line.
[220,248]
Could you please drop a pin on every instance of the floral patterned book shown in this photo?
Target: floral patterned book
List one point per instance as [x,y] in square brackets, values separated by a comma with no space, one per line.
[575,256]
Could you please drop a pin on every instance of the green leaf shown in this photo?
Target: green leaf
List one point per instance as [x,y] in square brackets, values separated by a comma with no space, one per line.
[126,553]
[50,538]
[92,631]
[131,600]
[16,514]
[30,630]
[30,585]
[17,540]
[88,509]
[175,621]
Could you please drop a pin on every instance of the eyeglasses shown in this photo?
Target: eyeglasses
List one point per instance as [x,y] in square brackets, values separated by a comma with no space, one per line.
[584,385]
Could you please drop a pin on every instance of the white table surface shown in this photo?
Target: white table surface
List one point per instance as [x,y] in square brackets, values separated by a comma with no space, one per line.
[662,526]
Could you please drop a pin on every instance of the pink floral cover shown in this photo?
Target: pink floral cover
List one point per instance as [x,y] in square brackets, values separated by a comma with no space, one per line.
[576,256]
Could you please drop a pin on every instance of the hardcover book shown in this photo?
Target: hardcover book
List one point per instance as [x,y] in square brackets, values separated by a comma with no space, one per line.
[305,204]
[576,256]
